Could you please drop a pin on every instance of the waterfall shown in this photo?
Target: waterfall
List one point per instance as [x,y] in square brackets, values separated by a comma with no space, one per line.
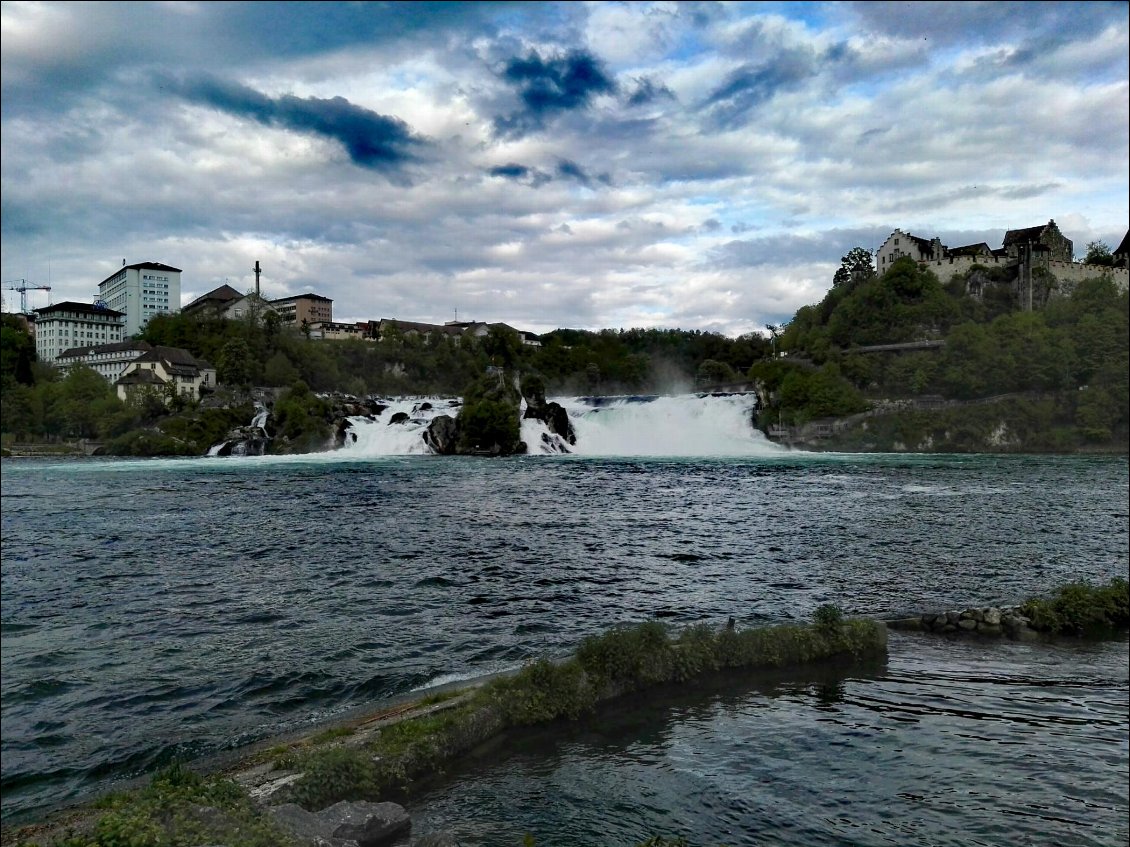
[260,419]
[399,429]
[685,425]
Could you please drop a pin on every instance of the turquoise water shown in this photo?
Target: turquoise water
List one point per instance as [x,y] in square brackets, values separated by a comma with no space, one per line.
[158,609]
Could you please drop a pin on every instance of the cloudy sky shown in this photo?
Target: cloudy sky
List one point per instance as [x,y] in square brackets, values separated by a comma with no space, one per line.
[588,165]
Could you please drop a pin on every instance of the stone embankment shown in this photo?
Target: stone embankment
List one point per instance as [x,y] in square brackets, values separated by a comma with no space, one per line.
[993,622]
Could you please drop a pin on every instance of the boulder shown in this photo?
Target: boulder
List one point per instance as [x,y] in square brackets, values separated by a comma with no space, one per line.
[242,441]
[342,434]
[399,418]
[442,434]
[555,418]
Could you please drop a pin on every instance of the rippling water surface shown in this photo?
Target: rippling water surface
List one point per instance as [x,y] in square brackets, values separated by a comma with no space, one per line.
[159,609]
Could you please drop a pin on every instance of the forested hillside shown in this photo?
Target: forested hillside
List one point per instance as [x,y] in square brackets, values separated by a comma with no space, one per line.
[1070,359]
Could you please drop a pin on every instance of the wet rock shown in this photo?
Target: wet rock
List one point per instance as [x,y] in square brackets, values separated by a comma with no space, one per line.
[367,824]
[992,616]
[399,418]
[968,624]
[344,824]
[442,435]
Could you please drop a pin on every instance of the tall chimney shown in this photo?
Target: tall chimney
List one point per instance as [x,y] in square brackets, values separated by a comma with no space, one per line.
[258,270]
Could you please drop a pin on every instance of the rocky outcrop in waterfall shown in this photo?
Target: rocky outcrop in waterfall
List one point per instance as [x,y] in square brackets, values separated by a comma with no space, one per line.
[553,415]
[442,435]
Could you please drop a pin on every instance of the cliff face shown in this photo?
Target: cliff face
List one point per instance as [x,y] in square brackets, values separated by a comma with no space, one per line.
[1016,423]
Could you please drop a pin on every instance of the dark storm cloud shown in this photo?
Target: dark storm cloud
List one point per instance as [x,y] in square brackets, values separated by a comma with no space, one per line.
[550,86]
[521,173]
[731,104]
[568,169]
[78,51]
[647,91]
[372,140]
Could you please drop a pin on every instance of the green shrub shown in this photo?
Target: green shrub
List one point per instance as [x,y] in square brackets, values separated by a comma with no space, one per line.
[330,775]
[1080,608]
[828,619]
[544,691]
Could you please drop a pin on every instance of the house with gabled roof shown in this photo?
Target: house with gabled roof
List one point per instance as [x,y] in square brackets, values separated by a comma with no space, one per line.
[167,371]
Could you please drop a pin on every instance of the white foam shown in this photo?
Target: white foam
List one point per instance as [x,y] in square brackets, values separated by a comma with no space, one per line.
[680,426]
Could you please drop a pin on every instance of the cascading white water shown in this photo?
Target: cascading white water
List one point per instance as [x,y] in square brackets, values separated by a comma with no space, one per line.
[686,425]
[260,419]
[379,436]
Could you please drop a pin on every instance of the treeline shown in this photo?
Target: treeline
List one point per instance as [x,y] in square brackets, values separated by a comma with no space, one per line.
[1077,344]
[569,361]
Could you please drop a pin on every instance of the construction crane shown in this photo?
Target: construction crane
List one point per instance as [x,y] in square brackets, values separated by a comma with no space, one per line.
[24,288]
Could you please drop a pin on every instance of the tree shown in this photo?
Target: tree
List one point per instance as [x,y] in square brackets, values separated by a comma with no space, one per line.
[855,268]
[713,372]
[503,346]
[234,366]
[1098,253]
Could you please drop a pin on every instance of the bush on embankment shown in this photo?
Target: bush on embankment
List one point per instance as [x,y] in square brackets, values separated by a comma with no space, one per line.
[1081,609]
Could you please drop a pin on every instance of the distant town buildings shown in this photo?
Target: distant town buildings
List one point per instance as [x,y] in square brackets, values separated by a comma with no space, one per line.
[141,291]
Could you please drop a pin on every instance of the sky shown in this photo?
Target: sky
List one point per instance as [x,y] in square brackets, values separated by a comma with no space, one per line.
[702,166]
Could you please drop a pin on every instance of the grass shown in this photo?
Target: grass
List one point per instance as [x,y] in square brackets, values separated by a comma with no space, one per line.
[179,807]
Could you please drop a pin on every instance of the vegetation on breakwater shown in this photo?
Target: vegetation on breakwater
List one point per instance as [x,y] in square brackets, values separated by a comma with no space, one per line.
[375,759]
[1076,609]
[1080,608]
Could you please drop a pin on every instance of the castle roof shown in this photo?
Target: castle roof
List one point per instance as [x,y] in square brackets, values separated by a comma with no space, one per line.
[1032,233]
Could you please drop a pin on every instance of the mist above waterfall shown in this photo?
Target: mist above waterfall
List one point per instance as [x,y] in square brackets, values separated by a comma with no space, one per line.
[683,425]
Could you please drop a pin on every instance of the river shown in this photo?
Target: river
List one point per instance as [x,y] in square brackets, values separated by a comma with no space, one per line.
[165,609]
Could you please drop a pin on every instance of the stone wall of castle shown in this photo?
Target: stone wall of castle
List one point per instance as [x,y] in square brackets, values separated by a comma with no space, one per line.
[1069,274]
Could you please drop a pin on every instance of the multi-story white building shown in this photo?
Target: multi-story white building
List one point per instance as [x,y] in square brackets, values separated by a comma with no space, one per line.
[66,325]
[109,360]
[141,291]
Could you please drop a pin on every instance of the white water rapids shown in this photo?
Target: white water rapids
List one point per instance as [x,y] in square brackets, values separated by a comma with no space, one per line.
[684,425]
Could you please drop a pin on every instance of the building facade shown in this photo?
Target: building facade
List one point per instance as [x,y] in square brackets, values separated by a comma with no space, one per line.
[304,308]
[165,371]
[66,325]
[899,244]
[141,291]
[109,360]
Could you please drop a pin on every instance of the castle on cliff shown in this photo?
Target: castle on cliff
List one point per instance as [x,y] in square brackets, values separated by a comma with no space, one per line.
[1037,261]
